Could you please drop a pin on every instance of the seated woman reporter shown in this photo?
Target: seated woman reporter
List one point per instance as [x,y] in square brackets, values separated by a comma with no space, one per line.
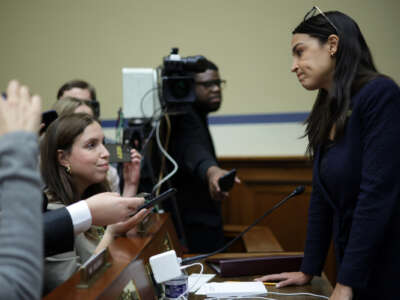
[353,132]
[74,164]
[71,105]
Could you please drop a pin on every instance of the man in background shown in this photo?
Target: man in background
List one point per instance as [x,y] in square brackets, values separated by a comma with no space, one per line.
[199,195]
[81,90]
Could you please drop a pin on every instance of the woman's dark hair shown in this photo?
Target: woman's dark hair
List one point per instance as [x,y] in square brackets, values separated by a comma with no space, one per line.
[61,135]
[354,67]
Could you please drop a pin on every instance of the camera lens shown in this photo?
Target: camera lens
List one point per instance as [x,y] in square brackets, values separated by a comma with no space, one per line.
[179,88]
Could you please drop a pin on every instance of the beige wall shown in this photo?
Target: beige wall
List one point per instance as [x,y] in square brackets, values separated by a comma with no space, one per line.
[47,42]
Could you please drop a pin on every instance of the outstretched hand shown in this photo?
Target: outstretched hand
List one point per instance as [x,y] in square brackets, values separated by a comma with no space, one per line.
[122,209]
[19,111]
[110,208]
[214,173]
[287,278]
[122,228]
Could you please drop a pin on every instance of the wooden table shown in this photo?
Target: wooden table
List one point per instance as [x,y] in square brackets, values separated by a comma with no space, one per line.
[129,258]
[129,263]
[319,285]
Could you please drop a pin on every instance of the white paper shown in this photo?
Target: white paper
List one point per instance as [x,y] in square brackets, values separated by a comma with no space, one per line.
[196,280]
[227,289]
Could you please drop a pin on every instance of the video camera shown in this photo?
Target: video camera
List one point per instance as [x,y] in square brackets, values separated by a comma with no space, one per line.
[177,78]
[146,91]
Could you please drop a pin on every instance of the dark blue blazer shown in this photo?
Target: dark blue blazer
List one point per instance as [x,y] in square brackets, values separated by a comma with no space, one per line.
[356,200]
[58,230]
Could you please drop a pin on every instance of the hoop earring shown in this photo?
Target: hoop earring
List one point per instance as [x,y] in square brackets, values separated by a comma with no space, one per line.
[68,169]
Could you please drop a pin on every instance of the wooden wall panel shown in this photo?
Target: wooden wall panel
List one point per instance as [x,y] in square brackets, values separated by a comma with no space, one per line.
[265,182]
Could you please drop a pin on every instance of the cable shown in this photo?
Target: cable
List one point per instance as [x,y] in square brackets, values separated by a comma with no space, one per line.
[201,272]
[153,130]
[297,191]
[148,92]
[273,293]
[120,124]
[172,173]
[189,288]
[165,147]
[299,294]
[147,140]
[240,297]
[159,109]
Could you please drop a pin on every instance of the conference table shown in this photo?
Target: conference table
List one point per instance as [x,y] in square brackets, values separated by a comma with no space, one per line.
[128,268]
[319,285]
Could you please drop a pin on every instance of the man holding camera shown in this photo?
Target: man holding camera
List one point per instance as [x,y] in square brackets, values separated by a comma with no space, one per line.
[199,195]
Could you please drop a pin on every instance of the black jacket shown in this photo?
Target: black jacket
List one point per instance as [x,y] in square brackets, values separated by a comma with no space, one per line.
[356,196]
[58,231]
[192,147]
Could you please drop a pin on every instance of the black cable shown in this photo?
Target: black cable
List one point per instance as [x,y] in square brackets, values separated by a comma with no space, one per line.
[299,190]
[147,140]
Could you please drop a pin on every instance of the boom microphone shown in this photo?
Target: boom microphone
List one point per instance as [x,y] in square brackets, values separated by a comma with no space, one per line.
[297,191]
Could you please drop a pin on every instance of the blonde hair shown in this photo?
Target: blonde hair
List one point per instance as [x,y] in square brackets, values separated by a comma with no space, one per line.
[68,105]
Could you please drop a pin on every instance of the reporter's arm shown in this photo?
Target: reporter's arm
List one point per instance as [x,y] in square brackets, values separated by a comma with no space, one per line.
[21,227]
[214,173]
[61,225]
[110,208]
[58,231]
[121,228]
[80,215]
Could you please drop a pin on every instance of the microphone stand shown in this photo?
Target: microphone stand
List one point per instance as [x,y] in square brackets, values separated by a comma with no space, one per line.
[299,190]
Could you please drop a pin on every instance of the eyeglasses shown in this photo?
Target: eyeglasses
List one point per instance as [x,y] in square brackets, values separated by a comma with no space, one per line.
[313,12]
[211,83]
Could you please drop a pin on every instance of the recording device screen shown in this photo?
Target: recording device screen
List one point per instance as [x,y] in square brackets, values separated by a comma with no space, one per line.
[226,181]
[47,118]
[119,153]
[156,200]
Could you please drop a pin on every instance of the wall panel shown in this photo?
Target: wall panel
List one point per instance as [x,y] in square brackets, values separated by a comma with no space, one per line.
[265,182]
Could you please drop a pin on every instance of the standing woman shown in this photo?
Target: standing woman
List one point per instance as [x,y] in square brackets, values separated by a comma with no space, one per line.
[354,140]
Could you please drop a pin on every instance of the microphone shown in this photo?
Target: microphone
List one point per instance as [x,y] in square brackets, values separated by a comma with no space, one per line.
[297,191]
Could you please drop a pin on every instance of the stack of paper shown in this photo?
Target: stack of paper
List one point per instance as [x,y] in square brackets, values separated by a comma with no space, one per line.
[196,280]
[227,289]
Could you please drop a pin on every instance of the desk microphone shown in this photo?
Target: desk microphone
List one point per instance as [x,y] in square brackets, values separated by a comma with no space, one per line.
[299,190]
